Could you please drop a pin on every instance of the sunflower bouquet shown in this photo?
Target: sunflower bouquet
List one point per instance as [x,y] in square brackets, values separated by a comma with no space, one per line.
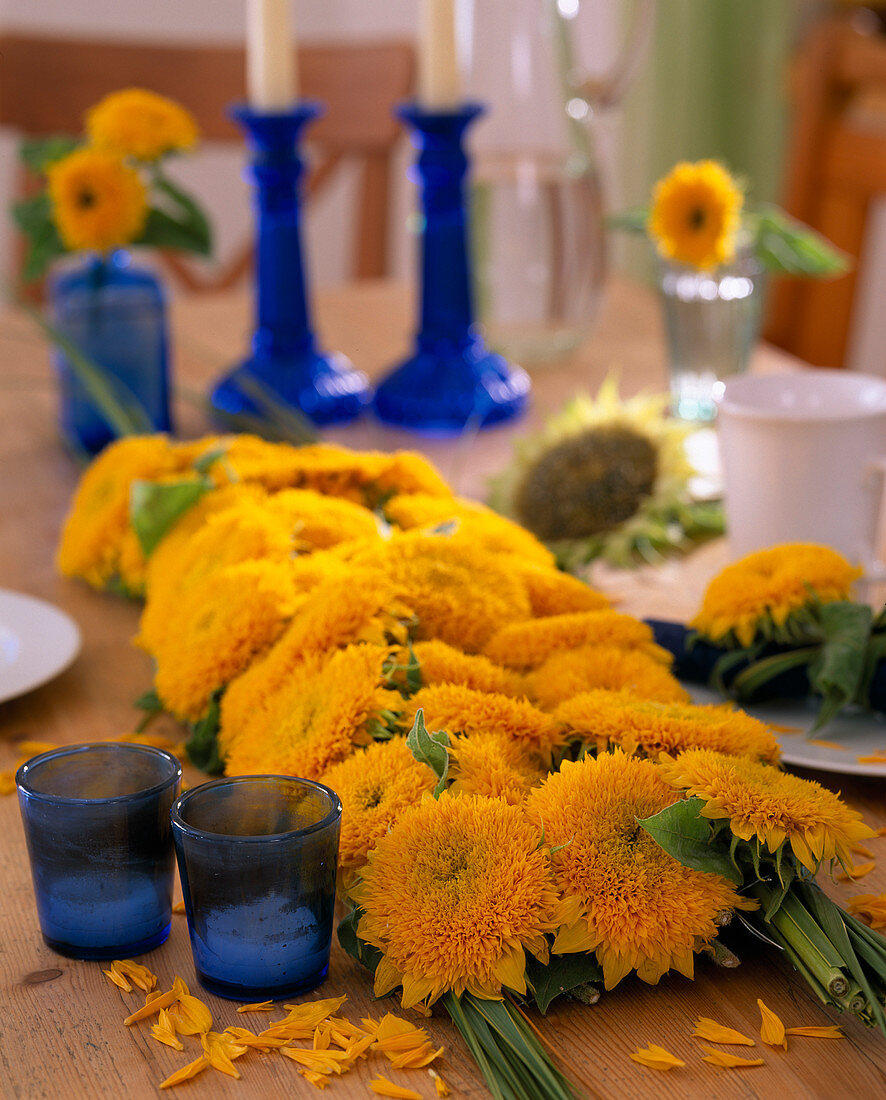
[532,806]
[111,188]
[698,218]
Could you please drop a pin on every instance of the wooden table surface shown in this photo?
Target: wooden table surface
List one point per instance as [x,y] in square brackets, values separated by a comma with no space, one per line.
[61,1030]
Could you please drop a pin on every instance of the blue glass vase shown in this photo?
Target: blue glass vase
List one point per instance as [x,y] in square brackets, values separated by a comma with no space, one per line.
[452,382]
[115,314]
[285,366]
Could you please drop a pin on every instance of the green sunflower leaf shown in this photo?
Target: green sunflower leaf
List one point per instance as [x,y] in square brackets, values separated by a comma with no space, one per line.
[684,834]
[155,507]
[561,975]
[202,748]
[837,672]
[431,749]
[351,943]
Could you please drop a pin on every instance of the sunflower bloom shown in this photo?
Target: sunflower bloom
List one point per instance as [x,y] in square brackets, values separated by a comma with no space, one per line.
[326,707]
[870,907]
[523,646]
[375,788]
[631,902]
[551,592]
[458,709]
[771,586]
[140,124]
[570,672]
[440,663]
[98,202]
[696,214]
[453,896]
[494,766]
[760,801]
[655,1057]
[642,725]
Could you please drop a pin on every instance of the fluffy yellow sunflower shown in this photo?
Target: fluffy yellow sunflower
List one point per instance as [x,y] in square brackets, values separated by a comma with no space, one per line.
[606,477]
[552,592]
[327,705]
[773,806]
[769,589]
[340,609]
[526,645]
[641,725]
[320,522]
[140,124]
[696,214]
[458,709]
[454,896]
[440,663]
[459,592]
[375,787]
[98,202]
[627,899]
[572,671]
[494,766]
[217,628]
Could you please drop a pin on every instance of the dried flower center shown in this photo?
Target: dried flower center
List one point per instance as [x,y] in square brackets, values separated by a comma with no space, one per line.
[86,198]
[697,217]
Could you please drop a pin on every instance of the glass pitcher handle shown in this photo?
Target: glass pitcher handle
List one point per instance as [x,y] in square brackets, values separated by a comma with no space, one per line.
[608,90]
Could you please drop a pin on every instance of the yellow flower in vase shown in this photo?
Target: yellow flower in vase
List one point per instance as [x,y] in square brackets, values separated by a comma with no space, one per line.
[98,202]
[696,214]
[140,124]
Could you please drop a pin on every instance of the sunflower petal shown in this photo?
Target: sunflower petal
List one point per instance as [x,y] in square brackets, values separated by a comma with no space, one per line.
[771,1029]
[706,1028]
[655,1057]
[728,1061]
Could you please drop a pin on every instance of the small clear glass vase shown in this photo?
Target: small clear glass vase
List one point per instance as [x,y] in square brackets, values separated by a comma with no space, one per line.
[712,319]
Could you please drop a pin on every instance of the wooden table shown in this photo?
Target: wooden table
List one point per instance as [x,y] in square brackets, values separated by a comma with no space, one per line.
[61,1031]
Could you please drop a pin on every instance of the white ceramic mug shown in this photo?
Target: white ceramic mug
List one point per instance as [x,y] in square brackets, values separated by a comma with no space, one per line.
[804,460]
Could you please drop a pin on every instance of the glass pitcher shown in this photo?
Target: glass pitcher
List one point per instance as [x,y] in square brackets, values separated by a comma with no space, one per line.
[537,213]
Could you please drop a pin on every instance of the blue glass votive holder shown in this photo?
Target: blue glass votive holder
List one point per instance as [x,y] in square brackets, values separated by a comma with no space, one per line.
[96,821]
[257,857]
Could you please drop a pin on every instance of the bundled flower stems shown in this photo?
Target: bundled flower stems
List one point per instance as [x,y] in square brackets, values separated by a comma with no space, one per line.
[532,805]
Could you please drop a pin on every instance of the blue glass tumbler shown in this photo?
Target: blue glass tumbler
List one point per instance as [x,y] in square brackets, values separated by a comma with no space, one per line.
[96,821]
[257,857]
[115,315]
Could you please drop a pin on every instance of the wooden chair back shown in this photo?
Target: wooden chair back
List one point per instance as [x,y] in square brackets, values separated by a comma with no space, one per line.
[836,167]
[46,85]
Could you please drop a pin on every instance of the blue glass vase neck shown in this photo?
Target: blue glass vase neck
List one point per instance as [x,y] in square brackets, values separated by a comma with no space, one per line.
[447,308]
[283,321]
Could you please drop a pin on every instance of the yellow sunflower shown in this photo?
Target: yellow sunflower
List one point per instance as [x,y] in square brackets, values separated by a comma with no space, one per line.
[628,900]
[771,587]
[572,671]
[696,214]
[458,709]
[140,124]
[375,787]
[526,645]
[773,806]
[454,896]
[326,706]
[340,609]
[440,663]
[217,628]
[552,592]
[98,202]
[494,766]
[641,725]
[459,592]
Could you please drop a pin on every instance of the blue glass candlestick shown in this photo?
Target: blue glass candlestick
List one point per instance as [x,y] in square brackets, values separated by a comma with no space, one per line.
[452,381]
[285,362]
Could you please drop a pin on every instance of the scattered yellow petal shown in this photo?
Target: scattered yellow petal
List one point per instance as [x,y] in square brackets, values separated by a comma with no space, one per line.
[7,782]
[220,1060]
[259,1006]
[870,908]
[320,1061]
[190,1016]
[881,831]
[247,1038]
[381,1086]
[655,1057]
[860,850]
[771,1028]
[322,1037]
[152,1007]
[179,907]
[164,1031]
[831,1032]
[826,744]
[415,1059]
[706,1028]
[440,1085]
[357,1049]
[139,975]
[153,996]
[179,987]
[186,1072]
[321,1080]
[728,1061]
[118,979]
[34,748]
[858,871]
[873,758]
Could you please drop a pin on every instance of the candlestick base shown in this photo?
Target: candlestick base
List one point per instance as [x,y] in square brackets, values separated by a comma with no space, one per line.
[445,390]
[325,388]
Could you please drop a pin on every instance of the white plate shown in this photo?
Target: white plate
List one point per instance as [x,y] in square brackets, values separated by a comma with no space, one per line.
[37,642]
[857,734]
